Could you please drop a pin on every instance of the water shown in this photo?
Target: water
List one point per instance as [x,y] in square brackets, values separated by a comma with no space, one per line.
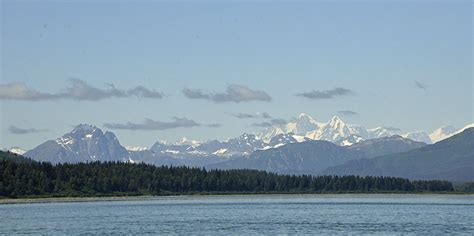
[264,214]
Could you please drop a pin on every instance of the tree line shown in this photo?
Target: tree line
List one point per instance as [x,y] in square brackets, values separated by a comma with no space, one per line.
[21,179]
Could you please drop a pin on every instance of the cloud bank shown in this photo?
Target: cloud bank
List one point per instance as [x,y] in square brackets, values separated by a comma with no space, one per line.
[78,90]
[270,123]
[348,113]
[17,130]
[149,124]
[326,94]
[234,93]
[258,115]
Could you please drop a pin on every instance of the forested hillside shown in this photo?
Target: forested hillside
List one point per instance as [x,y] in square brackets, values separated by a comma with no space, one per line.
[118,178]
[14,157]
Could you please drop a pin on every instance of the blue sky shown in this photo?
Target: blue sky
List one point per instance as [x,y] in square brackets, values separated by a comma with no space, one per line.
[377,52]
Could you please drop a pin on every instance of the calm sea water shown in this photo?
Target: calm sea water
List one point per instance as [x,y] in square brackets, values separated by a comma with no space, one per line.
[265,214]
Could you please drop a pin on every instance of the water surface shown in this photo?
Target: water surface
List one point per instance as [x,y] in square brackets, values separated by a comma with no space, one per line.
[262,214]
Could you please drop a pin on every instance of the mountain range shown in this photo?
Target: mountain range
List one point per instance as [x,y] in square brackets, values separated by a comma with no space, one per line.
[337,131]
[302,146]
[314,156]
[302,128]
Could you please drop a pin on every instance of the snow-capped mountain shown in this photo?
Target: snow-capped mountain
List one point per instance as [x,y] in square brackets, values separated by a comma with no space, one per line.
[84,143]
[313,156]
[88,143]
[16,150]
[175,148]
[302,128]
[242,145]
[458,131]
[381,132]
[135,149]
[419,136]
[303,124]
[335,130]
[282,139]
[341,133]
[437,135]
[442,133]
[272,132]
[188,142]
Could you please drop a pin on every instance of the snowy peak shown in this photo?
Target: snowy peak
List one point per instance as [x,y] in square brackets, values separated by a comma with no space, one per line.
[380,132]
[135,149]
[466,127]
[271,132]
[306,127]
[189,142]
[446,131]
[341,133]
[336,122]
[16,150]
[302,124]
[305,118]
[83,144]
[84,128]
[419,136]
[282,139]
[245,143]
[83,132]
[337,127]
[442,133]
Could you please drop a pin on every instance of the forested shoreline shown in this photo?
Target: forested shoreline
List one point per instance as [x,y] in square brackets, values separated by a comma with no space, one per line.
[30,179]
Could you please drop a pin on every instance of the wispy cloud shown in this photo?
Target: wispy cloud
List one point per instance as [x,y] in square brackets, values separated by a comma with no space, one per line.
[270,123]
[420,85]
[17,130]
[149,124]
[326,94]
[19,91]
[395,129]
[234,93]
[258,115]
[348,113]
[141,91]
[78,90]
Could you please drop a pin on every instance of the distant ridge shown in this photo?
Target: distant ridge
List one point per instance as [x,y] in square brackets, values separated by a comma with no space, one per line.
[450,159]
[312,157]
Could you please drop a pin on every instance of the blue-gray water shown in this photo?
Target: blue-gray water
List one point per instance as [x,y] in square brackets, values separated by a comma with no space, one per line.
[265,214]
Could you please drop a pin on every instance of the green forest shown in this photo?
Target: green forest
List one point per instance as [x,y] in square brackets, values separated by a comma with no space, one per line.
[26,178]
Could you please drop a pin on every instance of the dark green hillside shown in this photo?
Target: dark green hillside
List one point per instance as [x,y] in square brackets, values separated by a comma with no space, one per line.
[14,157]
[118,178]
[451,159]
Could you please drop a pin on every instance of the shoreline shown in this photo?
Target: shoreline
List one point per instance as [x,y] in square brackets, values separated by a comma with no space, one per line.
[33,200]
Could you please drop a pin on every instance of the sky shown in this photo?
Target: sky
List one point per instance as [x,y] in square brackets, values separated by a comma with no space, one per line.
[162,70]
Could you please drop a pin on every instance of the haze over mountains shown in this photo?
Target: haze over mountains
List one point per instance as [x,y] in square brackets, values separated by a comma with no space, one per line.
[302,146]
